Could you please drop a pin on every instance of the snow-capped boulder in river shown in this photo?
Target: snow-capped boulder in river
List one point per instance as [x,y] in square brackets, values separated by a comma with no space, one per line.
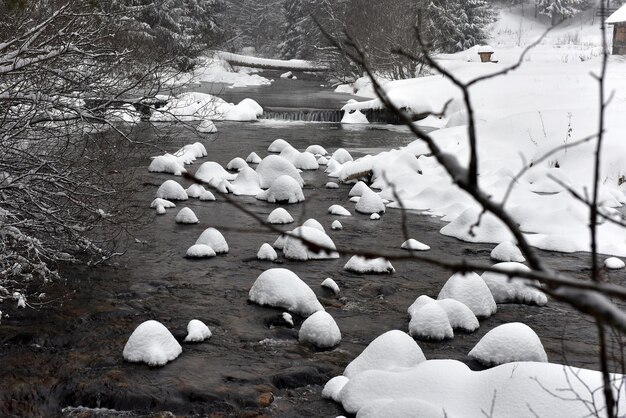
[207,127]
[171,190]
[152,343]
[314,223]
[339,210]
[370,202]
[285,189]
[214,239]
[295,249]
[200,251]
[306,161]
[247,183]
[362,265]
[316,150]
[321,330]
[281,288]
[341,156]
[278,145]
[507,251]
[186,216]
[236,164]
[358,189]
[614,263]
[266,252]
[331,284]
[195,190]
[393,350]
[508,343]
[279,216]
[333,388]
[253,158]
[430,322]
[274,166]
[197,331]
[513,290]
[211,171]
[354,117]
[162,202]
[336,225]
[414,245]
[167,164]
[471,290]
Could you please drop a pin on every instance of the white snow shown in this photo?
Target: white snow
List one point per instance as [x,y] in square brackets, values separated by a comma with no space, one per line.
[430,322]
[509,343]
[374,217]
[362,265]
[369,203]
[288,74]
[618,16]
[206,126]
[282,288]
[358,189]
[507,251]
[171,190]
[214,239]
[336,225]
[341,156]
[279,216]
[321,330]
[331,284]
[151,343]
[266,252]
[195,190]
[331,185]
[253,158]
[186,216]
[197,331]
[614,263]
[215,69]
[210,171]
[314,223]
[160,210]
[306,161]
[471,290]
[333,387]
[513,290]
[278,145]
[414,408]
[288,318]
[274,166]
[167,163]
[247,183]
[194,106]
[294,64]
[414,245]
[236,164]
[354,116]
[206,196]
[322,161]
[459,316]
[283,189]
[339,210]
[316,150]
[200,251]
[394,350]
[295,249]
[162,202]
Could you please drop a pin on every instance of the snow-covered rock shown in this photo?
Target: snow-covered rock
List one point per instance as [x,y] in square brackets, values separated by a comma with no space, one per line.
[354,117]
[374,217]
[331,284]
[321,330]
[306,161]
[186,216]
[283,189]
[195,190]
[266,252]
[358,189]
[162,202]
[332,185]
[341,156]
[160,210]
[151,343]
[197,331]
[393,350]
[253,158]
[509,343]
[336,225]
[295,249]
[171,190]
[282,288]
[211,171]
[369,203]
[413,408]
[167,164]
[614,263]
[430,322]
[274,166]
[507,251]
[489,230]
[362,265]
[214,239]
[414,245]
[339,210]
[322,161]
[206,196]
[247,183]
[279,216]
[459,316]
[471,290]
[314,223]
[515,289]
[333,387]
[288,318]
[316,150]
[278,145]
[236,164]
[200,251]
[206,126]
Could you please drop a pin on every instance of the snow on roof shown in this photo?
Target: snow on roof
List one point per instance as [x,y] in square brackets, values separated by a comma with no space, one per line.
[618,16]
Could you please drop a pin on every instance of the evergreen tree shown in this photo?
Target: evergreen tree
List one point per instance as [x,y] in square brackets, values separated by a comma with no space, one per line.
[301,33]
[559,10]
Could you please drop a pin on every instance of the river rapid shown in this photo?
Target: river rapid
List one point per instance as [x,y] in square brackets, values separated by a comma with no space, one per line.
[69,353]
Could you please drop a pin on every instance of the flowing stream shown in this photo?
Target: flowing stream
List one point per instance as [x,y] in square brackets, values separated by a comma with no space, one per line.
[69,353]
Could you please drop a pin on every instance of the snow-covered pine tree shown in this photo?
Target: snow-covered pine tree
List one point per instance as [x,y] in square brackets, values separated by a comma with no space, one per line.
[559,10]
[301,33]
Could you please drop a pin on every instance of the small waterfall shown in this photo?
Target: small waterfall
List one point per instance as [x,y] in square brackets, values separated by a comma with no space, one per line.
[326,115]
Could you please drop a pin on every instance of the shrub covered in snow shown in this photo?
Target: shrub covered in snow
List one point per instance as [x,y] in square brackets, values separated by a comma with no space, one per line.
[283,189]
[339,210]
[266,252]
[200,251]
[214,239]
[414,245]
[393,350]
[282,288]
[321,330]
[274,166]
[508,343]
[171,190]
[362,265]
[186,216]
[279,216]
[471,290]
[152,343]
[513,290]
[197,331]
[294,248]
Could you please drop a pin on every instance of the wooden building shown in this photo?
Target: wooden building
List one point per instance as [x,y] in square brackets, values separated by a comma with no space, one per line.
[618,20]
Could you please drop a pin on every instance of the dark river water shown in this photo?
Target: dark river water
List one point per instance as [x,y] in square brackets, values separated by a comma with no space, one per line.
[69,353]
